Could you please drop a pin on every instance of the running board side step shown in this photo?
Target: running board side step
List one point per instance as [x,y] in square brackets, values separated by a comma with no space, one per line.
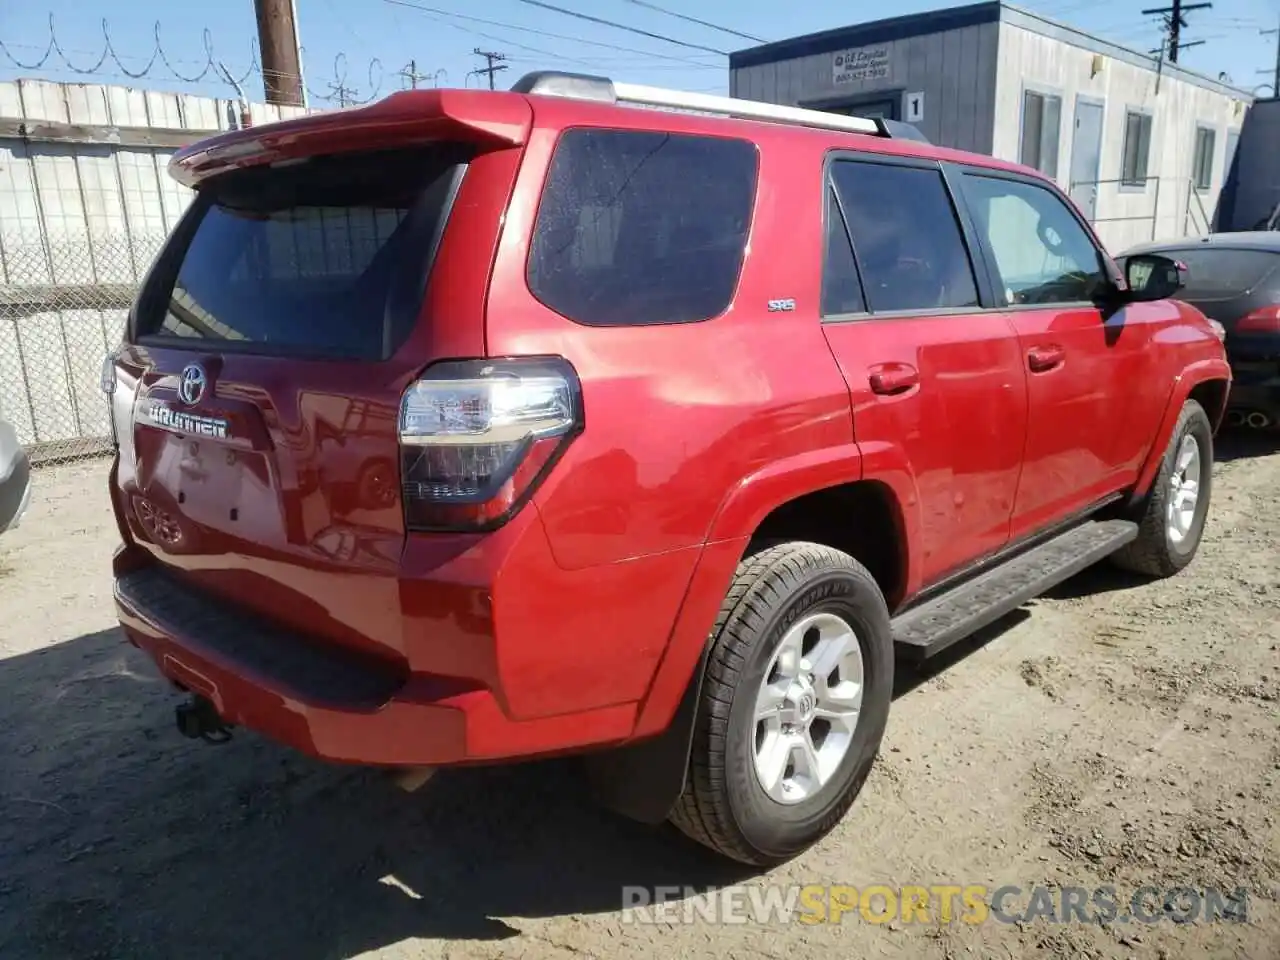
[935,625]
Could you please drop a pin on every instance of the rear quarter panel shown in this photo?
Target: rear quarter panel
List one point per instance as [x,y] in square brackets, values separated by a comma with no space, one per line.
[679,416]
[678,420]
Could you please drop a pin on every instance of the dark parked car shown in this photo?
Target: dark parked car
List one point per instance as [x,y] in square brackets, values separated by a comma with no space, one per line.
[15,478]
[1234,278]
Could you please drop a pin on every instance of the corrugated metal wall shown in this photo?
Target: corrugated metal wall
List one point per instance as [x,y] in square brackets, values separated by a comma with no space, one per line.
[85,202]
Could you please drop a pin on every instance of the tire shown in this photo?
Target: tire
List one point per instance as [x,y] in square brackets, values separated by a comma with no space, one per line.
[1158,552]
[774,593]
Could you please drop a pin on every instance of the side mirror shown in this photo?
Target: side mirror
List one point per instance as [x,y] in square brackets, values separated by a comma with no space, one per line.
[1150,276]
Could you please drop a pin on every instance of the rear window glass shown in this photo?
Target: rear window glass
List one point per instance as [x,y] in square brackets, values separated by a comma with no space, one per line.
[1222,274]
[642,228]
[326,258]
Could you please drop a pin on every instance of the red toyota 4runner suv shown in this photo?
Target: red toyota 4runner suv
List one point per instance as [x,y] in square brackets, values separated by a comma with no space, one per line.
[472,426]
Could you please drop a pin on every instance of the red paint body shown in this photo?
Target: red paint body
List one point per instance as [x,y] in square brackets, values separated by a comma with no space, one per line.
[581,620]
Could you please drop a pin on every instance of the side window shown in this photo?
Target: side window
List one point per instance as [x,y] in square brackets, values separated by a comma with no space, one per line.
[642,228]
[841,286]
[1042,252]
[906,237]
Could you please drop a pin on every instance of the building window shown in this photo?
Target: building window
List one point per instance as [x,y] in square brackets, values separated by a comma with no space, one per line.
[1202,168]
[1233,138]
[1041,118]
[1137,149]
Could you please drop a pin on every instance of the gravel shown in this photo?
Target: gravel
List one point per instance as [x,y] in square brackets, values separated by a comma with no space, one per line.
[1114,733]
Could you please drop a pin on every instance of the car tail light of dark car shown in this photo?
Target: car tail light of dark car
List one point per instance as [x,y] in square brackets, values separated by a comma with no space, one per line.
[477,436]
[1263,320]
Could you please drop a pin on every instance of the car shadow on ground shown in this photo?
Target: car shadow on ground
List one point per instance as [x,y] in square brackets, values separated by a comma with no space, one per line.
[118,838]
[1243,444]
[908,674]
[121,839]
[1229,445]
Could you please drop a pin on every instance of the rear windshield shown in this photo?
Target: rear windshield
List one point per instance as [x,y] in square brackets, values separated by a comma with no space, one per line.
[325,258]
[1222,274]
[642,228]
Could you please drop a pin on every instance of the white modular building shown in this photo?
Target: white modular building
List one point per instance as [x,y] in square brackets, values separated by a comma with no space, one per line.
[1141,144]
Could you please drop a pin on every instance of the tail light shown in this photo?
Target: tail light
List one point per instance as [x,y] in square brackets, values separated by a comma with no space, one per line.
[1264,320]
[108,383]
[478,436]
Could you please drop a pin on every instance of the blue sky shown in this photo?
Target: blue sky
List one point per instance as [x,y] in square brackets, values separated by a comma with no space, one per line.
[348,40]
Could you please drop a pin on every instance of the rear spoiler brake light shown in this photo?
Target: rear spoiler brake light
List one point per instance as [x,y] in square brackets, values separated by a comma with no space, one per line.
[408,117]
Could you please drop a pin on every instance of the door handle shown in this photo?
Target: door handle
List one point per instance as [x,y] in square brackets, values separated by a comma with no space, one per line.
[1040,359]
[890,378]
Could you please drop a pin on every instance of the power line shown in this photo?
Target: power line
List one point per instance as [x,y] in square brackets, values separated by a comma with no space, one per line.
[423,8]
[54,59]
[411,76]
[701,23]
[1275,80]
[494,64]
[1174,22]
[622,26]
[341,92]
[541,53]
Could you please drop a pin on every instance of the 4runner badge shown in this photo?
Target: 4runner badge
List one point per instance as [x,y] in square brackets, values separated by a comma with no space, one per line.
[157,413]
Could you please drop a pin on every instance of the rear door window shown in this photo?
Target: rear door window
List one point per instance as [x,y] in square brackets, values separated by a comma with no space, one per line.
[906,238]
[1216,274]
[841,285]
[326,258]
[642,228]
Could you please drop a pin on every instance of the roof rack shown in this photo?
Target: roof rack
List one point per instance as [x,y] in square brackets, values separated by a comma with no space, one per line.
[581,86]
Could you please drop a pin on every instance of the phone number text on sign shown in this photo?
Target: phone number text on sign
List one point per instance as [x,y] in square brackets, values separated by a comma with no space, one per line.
[870,63]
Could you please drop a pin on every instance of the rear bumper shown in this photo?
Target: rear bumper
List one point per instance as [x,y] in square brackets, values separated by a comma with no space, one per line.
[330,702]
[1255,387]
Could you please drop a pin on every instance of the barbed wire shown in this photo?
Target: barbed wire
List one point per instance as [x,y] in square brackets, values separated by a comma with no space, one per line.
[56,57]
[342,94]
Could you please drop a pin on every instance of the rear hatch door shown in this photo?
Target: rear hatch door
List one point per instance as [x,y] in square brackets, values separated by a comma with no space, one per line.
[268,354]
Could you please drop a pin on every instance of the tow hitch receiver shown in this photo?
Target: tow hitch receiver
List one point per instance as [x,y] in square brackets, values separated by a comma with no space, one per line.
[198,719]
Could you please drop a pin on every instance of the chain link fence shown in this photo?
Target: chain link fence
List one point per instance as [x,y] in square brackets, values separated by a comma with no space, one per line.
[63,302]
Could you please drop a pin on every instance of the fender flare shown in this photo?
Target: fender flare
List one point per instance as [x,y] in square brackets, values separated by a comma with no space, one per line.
[757,494]
[1192,376]
[644,778]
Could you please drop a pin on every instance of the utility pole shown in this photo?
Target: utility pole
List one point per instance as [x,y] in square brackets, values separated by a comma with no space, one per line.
[494,61]
[412,76]
[281,56]
[1275,79]
[1174,22]
[342,92]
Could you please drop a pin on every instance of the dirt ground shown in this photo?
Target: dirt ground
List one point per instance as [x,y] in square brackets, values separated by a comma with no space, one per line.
[1114,733]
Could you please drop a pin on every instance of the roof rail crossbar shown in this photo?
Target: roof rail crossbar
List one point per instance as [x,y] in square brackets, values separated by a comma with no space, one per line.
[579,86]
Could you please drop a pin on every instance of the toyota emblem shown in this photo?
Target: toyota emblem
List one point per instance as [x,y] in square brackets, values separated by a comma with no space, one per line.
[191,384]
